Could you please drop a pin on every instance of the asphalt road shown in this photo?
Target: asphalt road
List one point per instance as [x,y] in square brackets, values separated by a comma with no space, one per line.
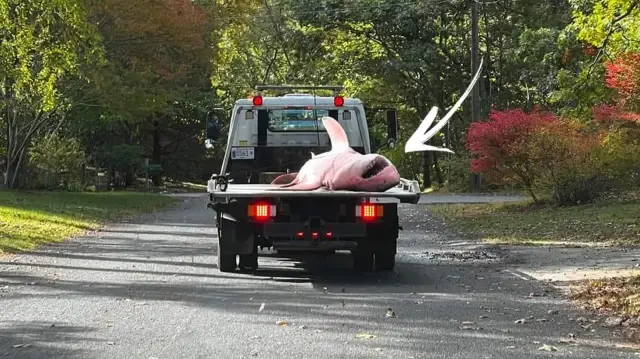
[151,289]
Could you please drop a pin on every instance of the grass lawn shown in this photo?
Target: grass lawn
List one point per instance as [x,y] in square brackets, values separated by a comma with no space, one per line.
[28,219]
[613,221]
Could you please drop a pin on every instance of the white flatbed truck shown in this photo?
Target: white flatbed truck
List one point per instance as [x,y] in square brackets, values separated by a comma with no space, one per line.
[270,136]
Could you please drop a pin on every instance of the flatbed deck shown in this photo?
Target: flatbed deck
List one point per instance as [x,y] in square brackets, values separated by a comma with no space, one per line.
[269,190]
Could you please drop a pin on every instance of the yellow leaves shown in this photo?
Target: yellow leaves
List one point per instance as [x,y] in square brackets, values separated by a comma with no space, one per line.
[611,22]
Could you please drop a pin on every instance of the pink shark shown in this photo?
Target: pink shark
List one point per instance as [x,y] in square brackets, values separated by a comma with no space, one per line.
[341,168]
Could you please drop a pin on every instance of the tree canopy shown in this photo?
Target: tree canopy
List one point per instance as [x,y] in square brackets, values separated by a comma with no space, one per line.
[127,81]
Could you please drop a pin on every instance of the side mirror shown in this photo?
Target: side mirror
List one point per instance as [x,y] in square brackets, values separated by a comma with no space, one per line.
[392,128]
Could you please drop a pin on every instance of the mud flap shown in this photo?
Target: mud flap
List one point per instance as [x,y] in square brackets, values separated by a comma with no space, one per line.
[236,237]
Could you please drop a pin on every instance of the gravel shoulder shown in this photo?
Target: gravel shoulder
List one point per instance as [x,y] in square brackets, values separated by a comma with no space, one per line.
[150,289]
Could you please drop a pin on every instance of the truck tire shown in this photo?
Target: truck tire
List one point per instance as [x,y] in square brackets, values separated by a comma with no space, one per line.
[248,262]
[363,259]
[385,262]
[385,255]
[226,262]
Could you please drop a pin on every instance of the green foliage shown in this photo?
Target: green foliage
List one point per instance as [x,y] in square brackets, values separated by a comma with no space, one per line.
[457,174]
[59,161]
[126,158]
[613,25]
[132,80]
[42,43]
[621,156]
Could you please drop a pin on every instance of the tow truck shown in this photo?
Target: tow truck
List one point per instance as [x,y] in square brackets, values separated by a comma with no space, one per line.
[273,135]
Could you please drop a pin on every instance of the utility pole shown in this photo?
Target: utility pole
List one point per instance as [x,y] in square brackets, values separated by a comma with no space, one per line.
[475,94]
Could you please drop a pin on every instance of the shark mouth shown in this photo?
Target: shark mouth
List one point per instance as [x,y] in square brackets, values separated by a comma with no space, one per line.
[375,167]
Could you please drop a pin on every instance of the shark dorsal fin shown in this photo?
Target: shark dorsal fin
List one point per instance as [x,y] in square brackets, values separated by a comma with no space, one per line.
[337,136]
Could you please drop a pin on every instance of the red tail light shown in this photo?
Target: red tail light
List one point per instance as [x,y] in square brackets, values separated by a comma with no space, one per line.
[257,100]
[261,211]
[338,101]
[369,211]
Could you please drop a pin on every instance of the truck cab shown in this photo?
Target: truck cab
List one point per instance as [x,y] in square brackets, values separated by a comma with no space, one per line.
[274,135]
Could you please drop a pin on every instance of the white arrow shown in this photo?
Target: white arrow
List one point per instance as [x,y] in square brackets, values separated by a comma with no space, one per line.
[416,142]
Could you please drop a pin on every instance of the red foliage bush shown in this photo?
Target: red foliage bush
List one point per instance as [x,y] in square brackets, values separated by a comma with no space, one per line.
[498,141]
[623,76]
[535,148]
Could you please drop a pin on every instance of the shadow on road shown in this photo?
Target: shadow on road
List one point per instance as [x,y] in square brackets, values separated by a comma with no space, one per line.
[37,339]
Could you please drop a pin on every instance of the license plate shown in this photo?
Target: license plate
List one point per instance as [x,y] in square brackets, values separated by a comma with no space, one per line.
[242,153]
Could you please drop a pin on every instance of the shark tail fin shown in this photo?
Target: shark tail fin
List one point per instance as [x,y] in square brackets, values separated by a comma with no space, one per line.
[338,137]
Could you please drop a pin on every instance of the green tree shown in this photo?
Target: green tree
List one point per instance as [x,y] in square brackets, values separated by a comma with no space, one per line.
[42,43]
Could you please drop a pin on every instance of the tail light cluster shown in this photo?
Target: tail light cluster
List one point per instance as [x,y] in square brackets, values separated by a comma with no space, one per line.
[261,211]
[369,212]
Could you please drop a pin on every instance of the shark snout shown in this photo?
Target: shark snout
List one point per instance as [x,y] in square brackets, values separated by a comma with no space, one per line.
[375,167]
[377,173]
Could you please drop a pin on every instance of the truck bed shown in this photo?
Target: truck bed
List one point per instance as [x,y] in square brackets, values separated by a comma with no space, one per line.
[269,190]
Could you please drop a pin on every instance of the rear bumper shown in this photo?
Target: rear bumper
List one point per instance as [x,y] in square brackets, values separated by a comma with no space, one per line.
[326,230]
[320,245]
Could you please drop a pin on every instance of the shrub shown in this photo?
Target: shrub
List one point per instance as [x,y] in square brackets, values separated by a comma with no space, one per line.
[58,162]
[545,153]
[569,162]
[621,155]
[499,146]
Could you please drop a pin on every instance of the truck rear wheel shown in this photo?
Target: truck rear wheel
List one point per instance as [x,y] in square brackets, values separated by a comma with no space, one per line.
[249,262]
[363,259]
[226,262]
[385,255]
[385,261]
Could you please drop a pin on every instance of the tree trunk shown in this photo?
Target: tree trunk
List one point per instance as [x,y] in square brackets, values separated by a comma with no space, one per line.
[437,167]
[157,152]
[426,170]
[18,165]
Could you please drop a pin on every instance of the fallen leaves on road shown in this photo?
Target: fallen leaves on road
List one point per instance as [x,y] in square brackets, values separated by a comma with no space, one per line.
[548,348]
[390,313]
[365,336]
[470,327]
[21,345]
[282,323]
[612,322]
[520,321]
[261,308]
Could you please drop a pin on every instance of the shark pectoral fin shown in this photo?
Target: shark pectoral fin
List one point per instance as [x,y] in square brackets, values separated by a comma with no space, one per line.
[285,178]
[302,186]
[337,136]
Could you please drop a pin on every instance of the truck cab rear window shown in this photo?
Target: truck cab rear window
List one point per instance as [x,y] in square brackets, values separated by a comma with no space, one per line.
[296,120]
